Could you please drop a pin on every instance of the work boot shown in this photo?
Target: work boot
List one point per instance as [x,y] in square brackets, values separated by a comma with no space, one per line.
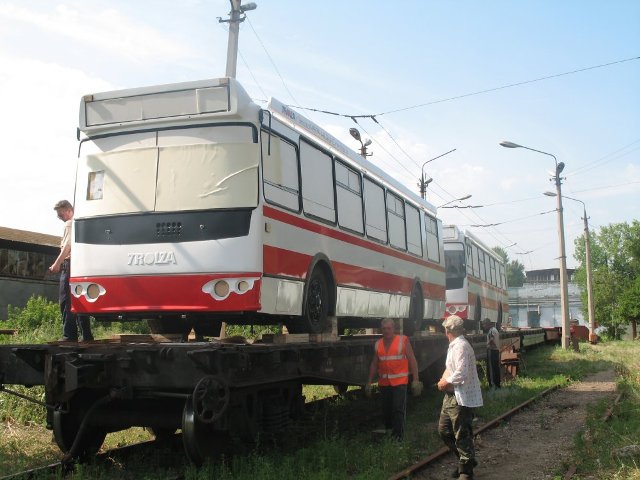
[466,470]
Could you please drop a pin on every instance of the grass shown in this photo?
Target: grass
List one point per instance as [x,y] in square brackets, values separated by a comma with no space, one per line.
[335,453]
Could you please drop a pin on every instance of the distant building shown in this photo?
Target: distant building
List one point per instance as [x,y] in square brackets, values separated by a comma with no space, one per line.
[25,258]
[537,302]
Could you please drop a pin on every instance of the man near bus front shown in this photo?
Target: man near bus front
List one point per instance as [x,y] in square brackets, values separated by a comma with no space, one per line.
[392,360]
[462,394]
[70,321]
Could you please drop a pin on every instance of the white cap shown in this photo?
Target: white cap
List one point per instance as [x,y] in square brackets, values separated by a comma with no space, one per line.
[454,323]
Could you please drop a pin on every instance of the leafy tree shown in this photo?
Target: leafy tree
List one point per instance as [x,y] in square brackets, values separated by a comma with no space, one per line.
[515,269]
[615,265]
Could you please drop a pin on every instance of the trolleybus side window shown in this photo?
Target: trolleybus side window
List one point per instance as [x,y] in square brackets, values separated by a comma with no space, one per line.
[469,260]
[494,277]
[374,209]
[349,197]
[433,247]
[476,260]
[317,183]
[483,273]
[414,238]
[395,213]
[280,173]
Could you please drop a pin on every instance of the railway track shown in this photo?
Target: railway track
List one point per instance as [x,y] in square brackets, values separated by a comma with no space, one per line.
[421,465]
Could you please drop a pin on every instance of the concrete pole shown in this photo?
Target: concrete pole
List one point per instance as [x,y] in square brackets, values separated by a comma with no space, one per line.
[564,288]
[593,338]
[232,45]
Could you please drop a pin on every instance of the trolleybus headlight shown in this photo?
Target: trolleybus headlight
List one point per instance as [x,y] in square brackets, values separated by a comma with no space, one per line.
[451,309]
[221,288]
[78,290]
[93,291]
[242,286]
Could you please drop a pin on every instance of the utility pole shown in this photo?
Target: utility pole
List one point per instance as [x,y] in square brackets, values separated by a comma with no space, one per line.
[593,338]
[564,288]
[235,18]
[422,181]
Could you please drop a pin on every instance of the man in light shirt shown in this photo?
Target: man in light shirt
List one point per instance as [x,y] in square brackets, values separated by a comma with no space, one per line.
[62,264]
[462,394]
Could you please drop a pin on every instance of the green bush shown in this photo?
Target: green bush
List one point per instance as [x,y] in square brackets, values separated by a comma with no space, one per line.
[38,312]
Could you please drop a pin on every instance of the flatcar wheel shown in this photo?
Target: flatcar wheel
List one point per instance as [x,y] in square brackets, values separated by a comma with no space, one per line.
[200,441]
[65,430]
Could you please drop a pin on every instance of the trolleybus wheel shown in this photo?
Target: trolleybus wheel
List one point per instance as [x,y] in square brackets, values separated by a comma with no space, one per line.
[315,314]
[66,426]
[200,440]
[413,323]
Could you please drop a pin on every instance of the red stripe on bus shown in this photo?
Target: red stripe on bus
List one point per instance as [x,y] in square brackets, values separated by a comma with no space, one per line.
[345,237]
[287,263]
[165,293]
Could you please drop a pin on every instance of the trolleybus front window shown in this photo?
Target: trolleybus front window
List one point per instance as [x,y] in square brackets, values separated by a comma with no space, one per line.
[456,268]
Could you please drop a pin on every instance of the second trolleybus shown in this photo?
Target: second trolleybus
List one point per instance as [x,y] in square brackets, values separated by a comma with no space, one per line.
[476,279]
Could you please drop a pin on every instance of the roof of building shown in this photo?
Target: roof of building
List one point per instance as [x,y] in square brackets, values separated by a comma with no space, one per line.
[33,238]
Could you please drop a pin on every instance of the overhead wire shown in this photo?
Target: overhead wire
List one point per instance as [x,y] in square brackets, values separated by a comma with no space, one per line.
[479,92]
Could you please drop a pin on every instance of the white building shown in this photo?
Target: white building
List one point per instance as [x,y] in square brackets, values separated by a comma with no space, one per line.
[537,302]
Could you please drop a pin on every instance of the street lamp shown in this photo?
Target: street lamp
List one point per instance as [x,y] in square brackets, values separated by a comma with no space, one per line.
[593,338]
[466,197]
[564,289]
[422,185]
[363,146]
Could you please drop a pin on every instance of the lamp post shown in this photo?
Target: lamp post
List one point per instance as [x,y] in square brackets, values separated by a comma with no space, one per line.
[466,197]
[422,185]
[564,289]
[593,338]
[363,146]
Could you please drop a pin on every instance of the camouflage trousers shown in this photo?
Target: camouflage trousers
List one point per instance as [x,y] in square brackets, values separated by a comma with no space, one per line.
[456,430]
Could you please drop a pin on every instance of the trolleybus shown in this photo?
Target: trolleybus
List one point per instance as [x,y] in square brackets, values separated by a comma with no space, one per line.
[476,279]
[194,206]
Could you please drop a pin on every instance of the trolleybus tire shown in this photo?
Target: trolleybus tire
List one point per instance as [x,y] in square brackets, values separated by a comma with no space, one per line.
[315,310]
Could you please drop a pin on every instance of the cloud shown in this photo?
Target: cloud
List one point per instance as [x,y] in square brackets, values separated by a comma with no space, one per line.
[40,114]
[107,30]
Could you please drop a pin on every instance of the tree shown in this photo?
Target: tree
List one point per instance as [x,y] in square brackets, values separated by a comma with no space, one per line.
[615,265]
[515,269]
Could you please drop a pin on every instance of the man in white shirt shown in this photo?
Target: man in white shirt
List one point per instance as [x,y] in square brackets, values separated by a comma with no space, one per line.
[493,353]
[62,264]
[462,394]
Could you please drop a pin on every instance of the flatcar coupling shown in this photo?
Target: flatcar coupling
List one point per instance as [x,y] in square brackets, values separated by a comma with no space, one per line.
[30,399]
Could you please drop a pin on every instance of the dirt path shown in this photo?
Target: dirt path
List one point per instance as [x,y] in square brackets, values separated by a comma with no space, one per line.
[535,441]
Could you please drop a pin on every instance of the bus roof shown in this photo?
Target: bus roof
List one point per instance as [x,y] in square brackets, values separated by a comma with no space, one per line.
[452,233]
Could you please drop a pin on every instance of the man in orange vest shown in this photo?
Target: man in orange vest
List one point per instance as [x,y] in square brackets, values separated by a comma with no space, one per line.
[392,361]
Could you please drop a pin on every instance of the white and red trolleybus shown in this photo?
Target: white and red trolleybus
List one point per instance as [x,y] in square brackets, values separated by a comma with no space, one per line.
[476,280]
[194,205]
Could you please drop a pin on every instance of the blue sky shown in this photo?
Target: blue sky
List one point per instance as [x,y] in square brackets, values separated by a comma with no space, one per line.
[357,58]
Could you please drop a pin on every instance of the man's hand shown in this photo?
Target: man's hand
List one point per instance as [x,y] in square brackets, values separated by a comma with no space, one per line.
[55,268]
[443,385]
[367,390]
[416,388]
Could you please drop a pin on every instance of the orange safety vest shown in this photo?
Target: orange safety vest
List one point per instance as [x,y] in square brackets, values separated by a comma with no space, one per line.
[393,365]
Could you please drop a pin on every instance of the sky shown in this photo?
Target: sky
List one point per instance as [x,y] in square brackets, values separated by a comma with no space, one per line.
[437,75]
